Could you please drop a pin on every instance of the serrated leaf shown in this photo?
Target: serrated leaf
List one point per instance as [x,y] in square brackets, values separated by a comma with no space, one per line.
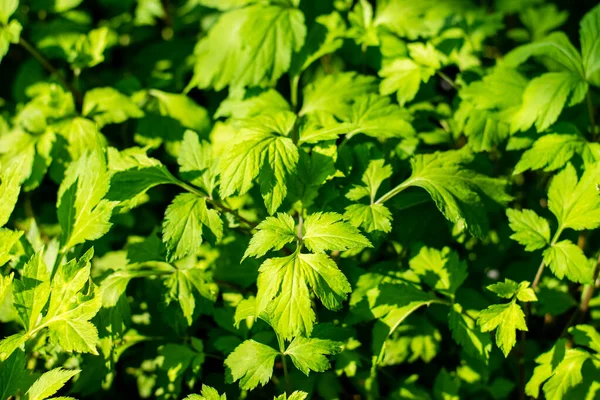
[50,382]
[83,212]
[530,230]
[335,93]
[263,150]
[251,363]
[9,33]
[10,186]
[589,33]
[283,290]
[375,116]
[32,291]
[109,106]
[458,192]
[8,239]
[327,231]
[273,233]
[308,354]
[467,334]
[587,336]
[182,226]
[13,375]
[442,270]
[403,77]
[196,162]
[566,375]
[576,204]
[550,152]
[505,319]
[374,217]
[183,282]
[509,289]
[207,393]
[544,99]
[566,259]
[129,183]
[237,52]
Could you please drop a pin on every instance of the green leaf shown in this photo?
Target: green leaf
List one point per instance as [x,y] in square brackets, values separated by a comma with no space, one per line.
[589,33]
[74,301]
[576,204]
[459,193]
[13,375]
[567,259]
[509,289]
[505,319]
[550,152]
[442,270]
[556,46]
[182,109]
[530,230]
[183,282]
[249,54]
[587,336]
[10,186]
[263,150]
[308,354]
[207,393]
[7,8]
[182,226]
[296,395]
[82,212]
[335,93]
[446,386]
[283,290]
[50,382]
[544,99]
[272,234]
[196,162]
[135,177]
[327,231]
[251,363]
[374,217]
[542,20]
[32,291]
[566,375]
[375,116]
[466,333]
[9,33]
[403,77]
[109,106]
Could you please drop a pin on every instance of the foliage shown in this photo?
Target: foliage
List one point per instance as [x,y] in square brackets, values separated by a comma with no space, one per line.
[296,199]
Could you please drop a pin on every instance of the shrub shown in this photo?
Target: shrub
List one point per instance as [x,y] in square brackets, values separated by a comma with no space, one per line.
[299,199]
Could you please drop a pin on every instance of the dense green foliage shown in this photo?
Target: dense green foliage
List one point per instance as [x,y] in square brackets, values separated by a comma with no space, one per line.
[297,199]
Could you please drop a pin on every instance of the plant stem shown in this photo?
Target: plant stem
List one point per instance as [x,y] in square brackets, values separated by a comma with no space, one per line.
[448,80]
[217,204]
[286,374]
[538,275]
[50,68]
[394,191]
[294,81]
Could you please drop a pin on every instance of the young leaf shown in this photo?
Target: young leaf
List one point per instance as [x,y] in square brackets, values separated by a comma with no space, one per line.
[251,363]
[506,319]
[263,150]
[375,116]
[109,106]
[587,336]
[244,56]
[32,291]
[589,33]
[442,270]
[10,186]
[576,204]
[83,212]
[8,239]
[551,152]
[335,93]
[207,393]
[196,162]
[50,382]
[566,259]
[458,192]
[273,233]
[182,226]
[509,289]
[465,333]
[283,290]
[566,375]
[530,230]
[308,354]
[327,231]
[374,217]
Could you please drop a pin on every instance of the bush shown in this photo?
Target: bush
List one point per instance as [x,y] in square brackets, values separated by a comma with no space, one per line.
[299,199]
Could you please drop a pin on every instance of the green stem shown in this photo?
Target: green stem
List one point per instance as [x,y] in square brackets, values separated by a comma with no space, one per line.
[50,68]
[286,374]
[294,81]
[394,191]
[538,275]
[448,80]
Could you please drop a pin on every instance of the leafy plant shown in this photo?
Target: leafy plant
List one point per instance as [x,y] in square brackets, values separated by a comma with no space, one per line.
[296,199]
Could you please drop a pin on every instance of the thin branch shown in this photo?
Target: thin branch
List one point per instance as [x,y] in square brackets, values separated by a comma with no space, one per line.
[51,69]
[590,105]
